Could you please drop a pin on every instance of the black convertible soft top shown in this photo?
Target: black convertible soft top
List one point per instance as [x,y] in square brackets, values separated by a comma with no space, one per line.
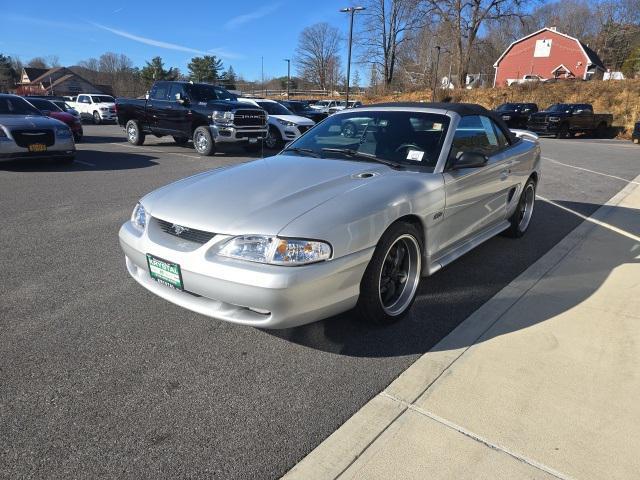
[462,109]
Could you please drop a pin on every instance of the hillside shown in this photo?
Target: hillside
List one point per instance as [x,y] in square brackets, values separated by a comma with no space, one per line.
[621,98]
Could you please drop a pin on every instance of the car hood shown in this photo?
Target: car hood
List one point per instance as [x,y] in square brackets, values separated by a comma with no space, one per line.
[27,121]
[294,118]
[258,197]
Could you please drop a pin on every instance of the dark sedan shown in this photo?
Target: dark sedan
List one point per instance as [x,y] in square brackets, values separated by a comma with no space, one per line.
[303,109]
[516,115]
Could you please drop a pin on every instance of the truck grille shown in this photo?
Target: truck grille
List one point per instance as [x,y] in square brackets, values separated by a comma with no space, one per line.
[190,234]
[541,120]
[249,118]
[24,138]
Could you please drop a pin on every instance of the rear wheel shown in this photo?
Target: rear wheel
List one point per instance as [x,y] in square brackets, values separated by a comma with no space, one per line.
[390,282]
[601,130]
[203,141]
[563,132]
[521,218]
[181,140]
[96,118]
[135,135]
[77,137]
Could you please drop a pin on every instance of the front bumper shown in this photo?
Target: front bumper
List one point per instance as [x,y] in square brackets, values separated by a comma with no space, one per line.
[542,129]
[63,148]
[108,116]
[265,296]
[231,134]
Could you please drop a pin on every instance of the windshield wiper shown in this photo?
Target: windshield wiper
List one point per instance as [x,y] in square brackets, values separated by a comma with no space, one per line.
[307,151]
[350,152]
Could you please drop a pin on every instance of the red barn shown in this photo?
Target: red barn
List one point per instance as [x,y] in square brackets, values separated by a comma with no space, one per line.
[547,54]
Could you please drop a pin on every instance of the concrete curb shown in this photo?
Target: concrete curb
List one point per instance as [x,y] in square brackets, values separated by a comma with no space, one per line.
[343,447]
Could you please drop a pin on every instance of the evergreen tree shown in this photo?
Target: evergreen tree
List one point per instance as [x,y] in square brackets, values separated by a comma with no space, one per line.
[229,79]
[205,69]
[8,75]
[154,70]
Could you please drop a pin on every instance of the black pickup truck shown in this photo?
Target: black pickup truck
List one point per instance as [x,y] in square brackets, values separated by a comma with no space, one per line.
[516,115]
[563,120]
[207,114]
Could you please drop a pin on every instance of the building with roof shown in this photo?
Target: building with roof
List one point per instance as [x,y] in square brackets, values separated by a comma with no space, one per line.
[547,54]
[56,81]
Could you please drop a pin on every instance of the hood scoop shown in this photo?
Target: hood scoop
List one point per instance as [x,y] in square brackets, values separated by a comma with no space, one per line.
[362,175]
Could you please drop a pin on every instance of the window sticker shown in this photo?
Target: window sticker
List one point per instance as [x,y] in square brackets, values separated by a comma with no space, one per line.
[437,127]
[415,155]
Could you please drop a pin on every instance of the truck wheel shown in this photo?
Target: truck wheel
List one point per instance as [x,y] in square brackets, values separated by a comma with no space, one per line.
[563,132]
[273,140]
[601,130]
[390,282]
[181,140]
[135,136]
[519,221]
[203,141]
[96,118]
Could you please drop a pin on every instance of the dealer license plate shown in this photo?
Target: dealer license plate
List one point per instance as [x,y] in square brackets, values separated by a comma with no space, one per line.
[253,140]
[166,273]
[37,147]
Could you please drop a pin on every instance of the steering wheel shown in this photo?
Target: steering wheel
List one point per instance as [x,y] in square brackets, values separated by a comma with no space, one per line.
[407,145]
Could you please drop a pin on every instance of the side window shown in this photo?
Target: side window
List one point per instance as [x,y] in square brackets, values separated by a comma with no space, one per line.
[160,91]
[174,90]
[503,141]
[475,133]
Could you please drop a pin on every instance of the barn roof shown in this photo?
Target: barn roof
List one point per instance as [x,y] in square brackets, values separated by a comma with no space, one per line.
[591,56]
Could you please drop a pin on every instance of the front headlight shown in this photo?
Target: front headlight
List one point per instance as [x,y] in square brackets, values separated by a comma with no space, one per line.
[275,250]
[223,118]
[63,132]
[554,119]
[104,109]
[286,123]
[139,217]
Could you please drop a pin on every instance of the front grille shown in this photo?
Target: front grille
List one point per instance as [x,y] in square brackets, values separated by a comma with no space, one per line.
[303,128]
[249,134]
[190,234]
[249,118]
[24,138]
[538,120]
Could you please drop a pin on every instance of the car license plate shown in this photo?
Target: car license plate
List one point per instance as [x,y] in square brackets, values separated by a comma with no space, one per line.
[253,140]
[37,147]
[166,273]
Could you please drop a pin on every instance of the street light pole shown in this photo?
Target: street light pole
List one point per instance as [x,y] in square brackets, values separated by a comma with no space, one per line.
[435,75]
[288,60]
[352,11]
[262,71]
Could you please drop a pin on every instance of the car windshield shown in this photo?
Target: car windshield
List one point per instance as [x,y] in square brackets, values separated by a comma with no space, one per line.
[322,103]
[102,99]
[61,105]
[274,108]
[200,93]
[17,106]
[559,108]
[405,138]
[507,107]
[44,105]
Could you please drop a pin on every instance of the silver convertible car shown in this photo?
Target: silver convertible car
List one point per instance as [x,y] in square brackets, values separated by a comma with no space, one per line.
[338,220]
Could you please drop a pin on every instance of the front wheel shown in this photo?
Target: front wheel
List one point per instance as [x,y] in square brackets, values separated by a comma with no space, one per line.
[96,118]
[390,282]
[563,132]
[203,141]
[521,218]
[135,136]
[273,140]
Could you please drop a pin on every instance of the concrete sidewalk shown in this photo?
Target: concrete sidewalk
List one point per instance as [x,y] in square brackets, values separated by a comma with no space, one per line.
[543,381]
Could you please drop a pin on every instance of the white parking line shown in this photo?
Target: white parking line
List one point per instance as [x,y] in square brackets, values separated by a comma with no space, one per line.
[590,171]
[608,226]
[145,149]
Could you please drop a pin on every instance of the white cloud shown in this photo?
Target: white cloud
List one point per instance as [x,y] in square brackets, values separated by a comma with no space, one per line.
[255,15]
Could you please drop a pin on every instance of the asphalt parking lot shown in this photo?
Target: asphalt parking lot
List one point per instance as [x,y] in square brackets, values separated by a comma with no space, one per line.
[99,378]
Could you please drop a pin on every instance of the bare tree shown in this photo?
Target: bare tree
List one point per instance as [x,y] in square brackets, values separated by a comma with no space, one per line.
[387,24]
[317,54]
[464,18]
[38,62]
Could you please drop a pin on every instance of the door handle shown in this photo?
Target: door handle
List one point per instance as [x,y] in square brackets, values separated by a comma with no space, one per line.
[504,174]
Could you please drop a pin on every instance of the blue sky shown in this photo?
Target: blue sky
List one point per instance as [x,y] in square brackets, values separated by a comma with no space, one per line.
[239,32]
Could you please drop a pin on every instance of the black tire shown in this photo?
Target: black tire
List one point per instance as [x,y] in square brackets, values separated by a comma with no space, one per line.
[563,132]
[77,137]
[349,129]
[374,303]
[135,135]
[601,131]
[96,118]
[273,140]
[521,218]
[181,140]
[203,141]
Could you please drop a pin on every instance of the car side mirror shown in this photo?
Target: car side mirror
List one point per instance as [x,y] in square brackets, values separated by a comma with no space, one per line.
[470,160]
[181,100]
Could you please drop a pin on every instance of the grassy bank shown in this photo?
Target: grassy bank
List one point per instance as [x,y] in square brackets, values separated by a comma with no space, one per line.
[621,98]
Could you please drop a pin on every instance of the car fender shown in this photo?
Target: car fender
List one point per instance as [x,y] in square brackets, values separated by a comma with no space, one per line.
[356,219]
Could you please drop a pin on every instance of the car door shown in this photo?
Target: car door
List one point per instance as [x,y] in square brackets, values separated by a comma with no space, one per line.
[476,198]
[158,106]
[83,103]
[174,117]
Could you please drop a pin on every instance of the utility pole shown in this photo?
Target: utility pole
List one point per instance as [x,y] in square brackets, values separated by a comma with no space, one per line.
[288,60]
[435,75]
[352,11]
